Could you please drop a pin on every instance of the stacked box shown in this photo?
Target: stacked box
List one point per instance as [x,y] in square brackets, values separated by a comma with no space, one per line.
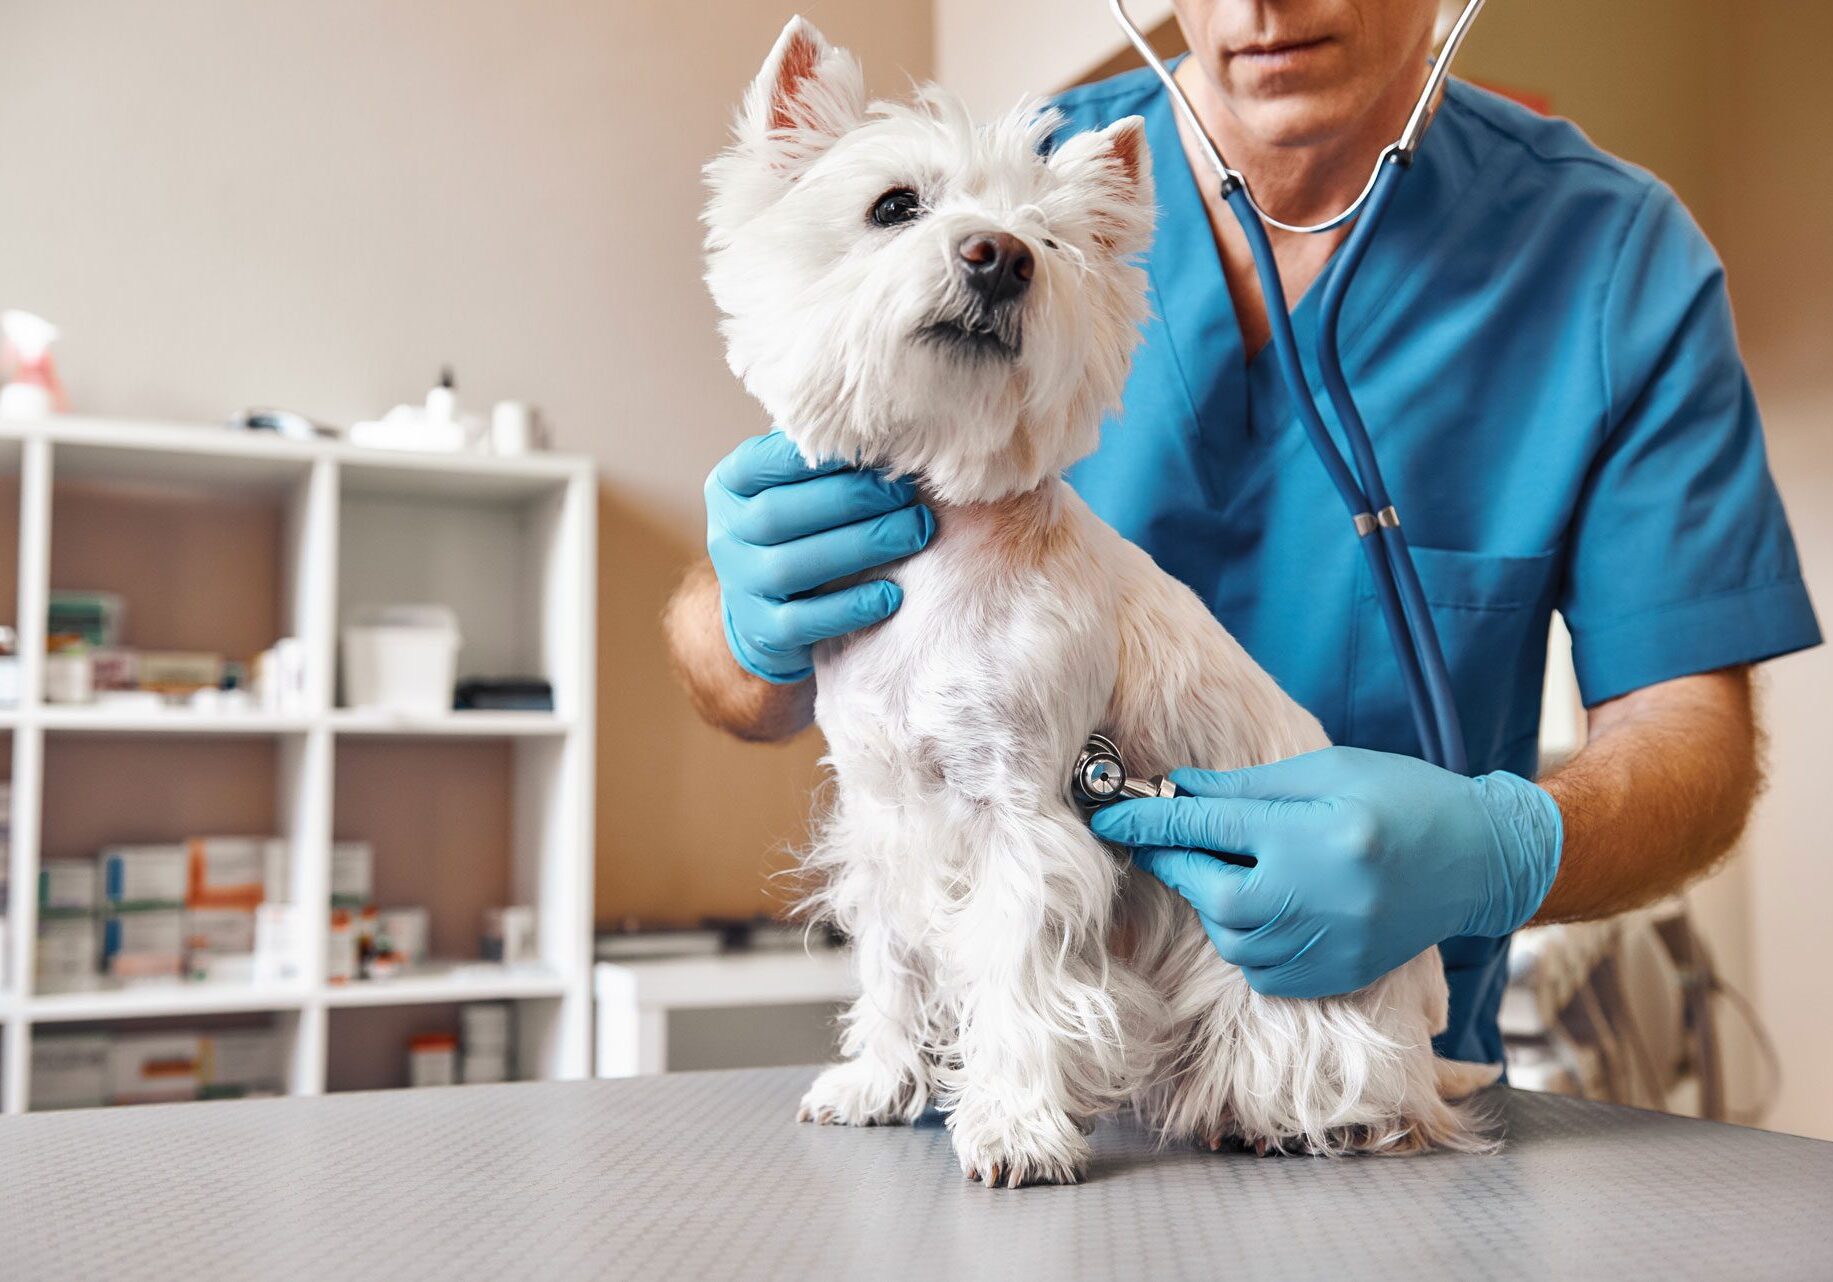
[432,1060]
[226,872]
[143,877]
[239,1063]
[154,1068]
[485,1034]
[146,945]
[68,887]
[352,875]
[70,1070]
[276,871]
[68,955]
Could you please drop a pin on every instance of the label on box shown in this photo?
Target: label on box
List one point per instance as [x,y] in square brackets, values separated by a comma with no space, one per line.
[277,871]
[67,886]
[145,876]
[144,945]
[70,1070]
[226,872]
[352,874]
[149,1067]
[245,1059]
[220,930]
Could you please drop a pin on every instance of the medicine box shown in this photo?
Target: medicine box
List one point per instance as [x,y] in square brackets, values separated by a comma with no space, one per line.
[226,872]
[484,1026]
[432,1060]
[68,956]
[144,945]
[219,930]
[146,1068]
[352,874]
[276,871]
[70,1070]
[67,886]
[144,876]
[235,1062]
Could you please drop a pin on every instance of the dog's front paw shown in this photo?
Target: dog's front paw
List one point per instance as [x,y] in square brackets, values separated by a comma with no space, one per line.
[860,1093]
[1039,1148]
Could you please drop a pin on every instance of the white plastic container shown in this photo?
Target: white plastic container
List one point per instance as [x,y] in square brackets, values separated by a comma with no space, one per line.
[401,658]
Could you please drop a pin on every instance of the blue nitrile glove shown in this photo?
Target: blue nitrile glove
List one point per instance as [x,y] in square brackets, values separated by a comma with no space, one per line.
[1361,860]
[777,529]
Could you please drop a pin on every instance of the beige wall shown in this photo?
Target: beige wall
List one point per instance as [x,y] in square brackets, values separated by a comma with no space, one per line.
[316,204]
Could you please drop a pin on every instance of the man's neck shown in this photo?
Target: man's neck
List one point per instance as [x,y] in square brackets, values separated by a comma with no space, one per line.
[1310,181]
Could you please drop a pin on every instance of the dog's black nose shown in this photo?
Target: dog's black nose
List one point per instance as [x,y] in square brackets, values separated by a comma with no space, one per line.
[997,265]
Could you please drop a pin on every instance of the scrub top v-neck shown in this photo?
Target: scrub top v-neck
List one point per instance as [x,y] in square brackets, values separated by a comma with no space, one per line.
[1540,342]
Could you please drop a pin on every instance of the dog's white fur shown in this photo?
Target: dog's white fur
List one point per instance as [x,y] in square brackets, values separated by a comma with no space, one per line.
[1014,972]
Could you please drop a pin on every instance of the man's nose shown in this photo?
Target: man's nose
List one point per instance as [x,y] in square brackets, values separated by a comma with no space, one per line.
[997,265]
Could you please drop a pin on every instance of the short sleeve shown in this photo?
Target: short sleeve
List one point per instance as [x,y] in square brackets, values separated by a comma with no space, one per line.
[1680,558]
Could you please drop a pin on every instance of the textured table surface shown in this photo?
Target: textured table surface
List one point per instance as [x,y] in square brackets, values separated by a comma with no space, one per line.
[706,1175]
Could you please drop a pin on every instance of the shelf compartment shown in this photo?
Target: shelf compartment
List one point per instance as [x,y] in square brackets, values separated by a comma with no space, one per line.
[367,1045]
[280,1073]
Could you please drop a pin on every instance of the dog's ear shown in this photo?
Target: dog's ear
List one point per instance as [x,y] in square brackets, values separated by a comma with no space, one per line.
[1114,167]
[808,94]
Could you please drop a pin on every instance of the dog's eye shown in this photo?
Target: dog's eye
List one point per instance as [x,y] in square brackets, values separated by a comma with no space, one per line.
[899,205]
[1049,243]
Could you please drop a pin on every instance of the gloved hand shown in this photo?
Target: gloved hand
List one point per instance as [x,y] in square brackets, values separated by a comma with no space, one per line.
[777,529]
[1361,861]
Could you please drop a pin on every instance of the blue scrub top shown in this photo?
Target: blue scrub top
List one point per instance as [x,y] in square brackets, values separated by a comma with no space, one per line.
[1541,344]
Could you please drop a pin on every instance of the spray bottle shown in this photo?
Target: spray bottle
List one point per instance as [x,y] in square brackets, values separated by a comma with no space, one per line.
[32,391]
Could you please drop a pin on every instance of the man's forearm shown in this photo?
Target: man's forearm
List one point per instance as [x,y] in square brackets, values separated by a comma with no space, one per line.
[725,694]
[1659,792]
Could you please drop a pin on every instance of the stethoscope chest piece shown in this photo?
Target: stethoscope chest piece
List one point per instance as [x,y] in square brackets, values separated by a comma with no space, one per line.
[1100,776]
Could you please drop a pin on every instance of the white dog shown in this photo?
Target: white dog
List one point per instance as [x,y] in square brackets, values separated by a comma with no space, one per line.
[907,291]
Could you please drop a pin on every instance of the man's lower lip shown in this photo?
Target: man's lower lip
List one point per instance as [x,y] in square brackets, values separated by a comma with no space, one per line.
[1281,53]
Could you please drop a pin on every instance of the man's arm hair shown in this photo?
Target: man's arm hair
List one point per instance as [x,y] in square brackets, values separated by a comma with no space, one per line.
[1657,795]
[724,694]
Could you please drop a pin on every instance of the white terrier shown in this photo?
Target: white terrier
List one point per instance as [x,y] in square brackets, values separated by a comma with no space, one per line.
[907,291]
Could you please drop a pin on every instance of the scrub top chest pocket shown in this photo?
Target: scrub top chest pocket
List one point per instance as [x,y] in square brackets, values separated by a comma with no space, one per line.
[1492,614]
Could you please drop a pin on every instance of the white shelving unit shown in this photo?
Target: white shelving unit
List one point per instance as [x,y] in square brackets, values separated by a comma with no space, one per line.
[509,544]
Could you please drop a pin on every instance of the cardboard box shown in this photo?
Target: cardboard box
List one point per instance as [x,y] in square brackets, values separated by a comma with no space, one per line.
[68,957]
[145,945]
[226,872]
[70,1070]
[135,877]
[148,1068]
[68,886]
[277,930]
[239,1059]
[277,871]
[432,1060]
[485,1027]
[352,874]
[219,932]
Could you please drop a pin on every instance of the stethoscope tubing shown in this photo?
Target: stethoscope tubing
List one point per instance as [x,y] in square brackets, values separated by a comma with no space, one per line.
[1375,548]
[1418,650]
[1446,745]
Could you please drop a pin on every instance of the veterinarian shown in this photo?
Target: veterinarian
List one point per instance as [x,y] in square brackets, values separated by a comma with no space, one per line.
[1541,341]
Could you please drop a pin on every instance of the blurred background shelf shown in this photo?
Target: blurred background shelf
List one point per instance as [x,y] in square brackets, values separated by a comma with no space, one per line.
[464,810]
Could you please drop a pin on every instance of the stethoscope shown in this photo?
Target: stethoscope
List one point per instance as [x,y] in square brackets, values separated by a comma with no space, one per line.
[1099,775]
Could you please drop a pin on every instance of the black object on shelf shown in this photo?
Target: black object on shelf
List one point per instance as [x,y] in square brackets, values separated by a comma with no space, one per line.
[505,694]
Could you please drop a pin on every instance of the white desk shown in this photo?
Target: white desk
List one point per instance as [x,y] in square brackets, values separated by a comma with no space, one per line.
[634,998]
